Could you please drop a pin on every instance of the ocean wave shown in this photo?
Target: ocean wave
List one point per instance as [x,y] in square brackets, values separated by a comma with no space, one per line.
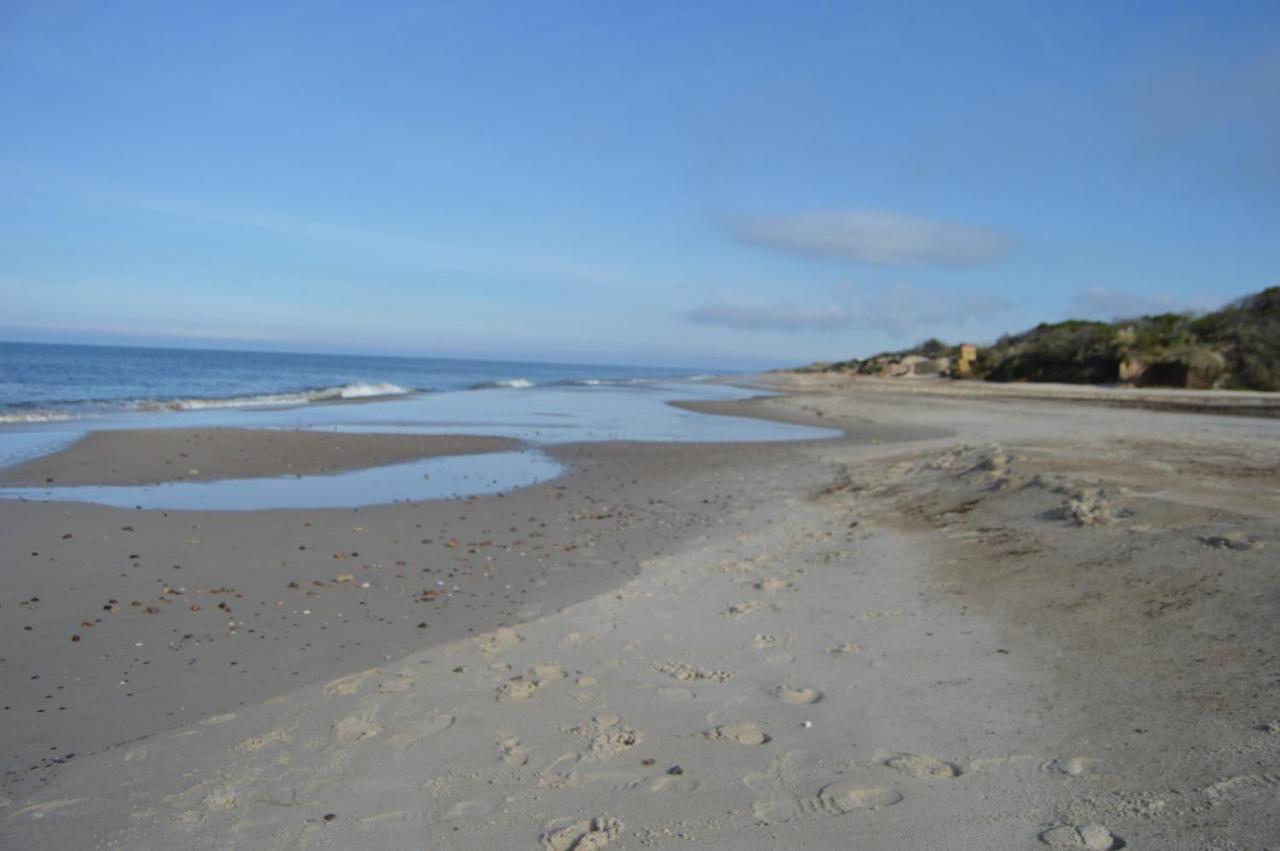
[36,417]
[327,394]
[523,383]
[609,382]
[508,383]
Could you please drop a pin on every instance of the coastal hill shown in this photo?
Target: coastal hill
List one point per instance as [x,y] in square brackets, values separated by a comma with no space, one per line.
[1236,348]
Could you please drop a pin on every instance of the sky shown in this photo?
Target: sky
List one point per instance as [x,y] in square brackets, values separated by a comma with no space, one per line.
[708,184]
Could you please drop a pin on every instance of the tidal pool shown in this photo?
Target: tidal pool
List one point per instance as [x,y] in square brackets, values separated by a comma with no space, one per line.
[445,477]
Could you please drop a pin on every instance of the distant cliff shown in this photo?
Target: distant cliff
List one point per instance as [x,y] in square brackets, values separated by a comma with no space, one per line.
[1237,347]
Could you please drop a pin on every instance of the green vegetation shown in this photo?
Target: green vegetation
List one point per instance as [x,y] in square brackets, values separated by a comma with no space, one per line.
[1236,347]
[1247,333]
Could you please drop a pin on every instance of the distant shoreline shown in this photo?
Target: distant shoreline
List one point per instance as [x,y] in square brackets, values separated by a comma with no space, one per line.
[1252,403]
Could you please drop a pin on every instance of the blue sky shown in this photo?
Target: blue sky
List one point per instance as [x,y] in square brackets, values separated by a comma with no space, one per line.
[709,184]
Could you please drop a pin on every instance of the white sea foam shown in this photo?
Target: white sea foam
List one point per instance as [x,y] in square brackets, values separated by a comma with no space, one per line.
[36,417]
[512,383]
[365,391]
[328,394]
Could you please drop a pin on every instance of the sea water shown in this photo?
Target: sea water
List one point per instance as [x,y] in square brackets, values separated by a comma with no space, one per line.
[56,394]
[42,383]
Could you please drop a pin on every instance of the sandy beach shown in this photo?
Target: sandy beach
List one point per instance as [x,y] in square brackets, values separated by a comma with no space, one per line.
[967,623]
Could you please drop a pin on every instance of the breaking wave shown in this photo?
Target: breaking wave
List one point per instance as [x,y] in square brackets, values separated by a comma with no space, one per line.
[509,383]
[35,417]
[328,394]
[79,410]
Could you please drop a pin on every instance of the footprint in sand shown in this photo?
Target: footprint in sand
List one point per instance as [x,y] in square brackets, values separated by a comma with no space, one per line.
[676,694]
[608,745]
[574,640]
[797,696]
[922,765]
[353,728]
[523,688]
[39,811]
[1094,837]
[845,797]
[763,641]
[471,810]
[773,585]
[1244,787]
[513,753]
[259,742]
[548,672]
[517,691]
[1072,766]
[397,684]
[672,783]
[346,686]
[845,650]
[691,673]
[436,723]
[742,732]
[835,799]
[590,835]
[740,609]
[499,641]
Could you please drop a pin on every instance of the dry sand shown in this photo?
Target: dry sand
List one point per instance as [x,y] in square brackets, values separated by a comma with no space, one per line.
[1035,625]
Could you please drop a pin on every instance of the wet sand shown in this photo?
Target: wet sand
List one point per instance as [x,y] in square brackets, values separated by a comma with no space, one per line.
[123,623]
[965,624]
[148,456]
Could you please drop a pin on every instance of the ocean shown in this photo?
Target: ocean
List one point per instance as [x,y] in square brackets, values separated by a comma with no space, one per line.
[43,383]
[53,395]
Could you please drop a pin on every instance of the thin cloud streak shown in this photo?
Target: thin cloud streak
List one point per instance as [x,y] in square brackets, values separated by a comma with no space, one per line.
[781,318]
[411,249]
[898,310]
[875,237]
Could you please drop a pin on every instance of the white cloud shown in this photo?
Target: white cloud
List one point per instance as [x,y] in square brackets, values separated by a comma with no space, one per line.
[877,237]
[780,318]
